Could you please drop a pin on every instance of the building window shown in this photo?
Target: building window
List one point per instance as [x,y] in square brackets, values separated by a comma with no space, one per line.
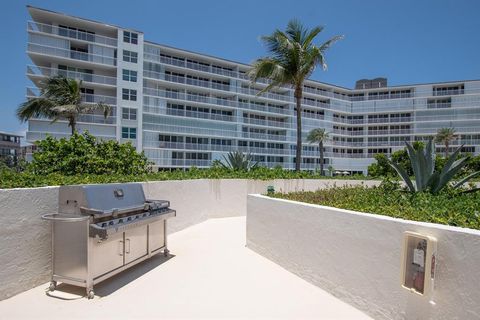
[129,114]
[129,133]
[129,75]
[130,56]
[129,94]
[130,37]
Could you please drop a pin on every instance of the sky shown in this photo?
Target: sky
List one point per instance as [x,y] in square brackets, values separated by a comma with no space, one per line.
[405,41]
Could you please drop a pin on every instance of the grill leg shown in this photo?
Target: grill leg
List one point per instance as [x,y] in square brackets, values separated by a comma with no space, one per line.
[90,293]
[53,285]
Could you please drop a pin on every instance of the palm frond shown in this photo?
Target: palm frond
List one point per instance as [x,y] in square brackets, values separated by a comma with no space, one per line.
[34,108]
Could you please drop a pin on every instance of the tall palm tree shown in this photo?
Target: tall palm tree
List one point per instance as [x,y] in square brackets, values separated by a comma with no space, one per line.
[293,57]
[318,135]
[445,136]
[60,98]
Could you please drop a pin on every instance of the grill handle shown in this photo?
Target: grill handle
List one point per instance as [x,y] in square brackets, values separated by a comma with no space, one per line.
[127,251]
[120,248]
[63,218]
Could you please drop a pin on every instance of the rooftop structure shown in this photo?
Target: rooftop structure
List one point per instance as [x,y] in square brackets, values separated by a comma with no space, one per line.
[9,146]
[188,109]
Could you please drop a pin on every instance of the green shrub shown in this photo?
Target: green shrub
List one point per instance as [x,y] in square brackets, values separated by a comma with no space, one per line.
[83,154]
[11,179]
[382,168]
[447,207]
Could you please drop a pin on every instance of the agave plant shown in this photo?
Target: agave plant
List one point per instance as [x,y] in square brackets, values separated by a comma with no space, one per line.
[238,161]
[423,165]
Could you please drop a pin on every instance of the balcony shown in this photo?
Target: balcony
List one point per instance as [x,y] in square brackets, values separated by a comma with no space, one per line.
[186,80]
[189,97]
[264,108]
[190,114]
[348,133]
[268,95]
[86,77]
[86,98]
[264,136]
[70,54]
[316,103]
[268,123]
[437,92]
[73,34]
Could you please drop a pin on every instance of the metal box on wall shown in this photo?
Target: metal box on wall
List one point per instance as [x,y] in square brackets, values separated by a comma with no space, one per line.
[418,263]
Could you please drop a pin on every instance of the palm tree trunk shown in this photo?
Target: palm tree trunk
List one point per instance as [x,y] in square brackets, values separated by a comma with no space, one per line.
[298,156]
[320,147]
[446,149]
[72,123]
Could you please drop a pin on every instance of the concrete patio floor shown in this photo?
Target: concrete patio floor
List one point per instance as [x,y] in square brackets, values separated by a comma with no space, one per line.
[211,274]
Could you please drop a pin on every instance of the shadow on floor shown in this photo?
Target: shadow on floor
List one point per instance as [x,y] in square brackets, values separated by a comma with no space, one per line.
[106,287]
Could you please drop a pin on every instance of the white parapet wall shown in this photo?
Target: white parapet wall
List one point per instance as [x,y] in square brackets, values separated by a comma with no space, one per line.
[357,257]
[25,238]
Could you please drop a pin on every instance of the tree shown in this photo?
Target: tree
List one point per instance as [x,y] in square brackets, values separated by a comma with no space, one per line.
[445,136]
[318,135]
[293,57]
[60,98]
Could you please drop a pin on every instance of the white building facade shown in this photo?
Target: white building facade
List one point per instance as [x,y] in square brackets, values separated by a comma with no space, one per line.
[187,109]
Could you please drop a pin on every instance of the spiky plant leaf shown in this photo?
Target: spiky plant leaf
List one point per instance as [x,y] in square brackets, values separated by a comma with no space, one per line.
[466,179]
[404,175]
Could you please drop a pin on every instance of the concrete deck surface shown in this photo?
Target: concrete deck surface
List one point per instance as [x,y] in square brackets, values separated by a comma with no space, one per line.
[210,275]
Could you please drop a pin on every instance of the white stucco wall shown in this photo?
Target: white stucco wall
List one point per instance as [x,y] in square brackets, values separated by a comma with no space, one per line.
[357,257]
[25,238]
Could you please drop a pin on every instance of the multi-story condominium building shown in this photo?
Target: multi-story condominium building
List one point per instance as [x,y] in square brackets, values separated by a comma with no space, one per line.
[187,109]
[9,147]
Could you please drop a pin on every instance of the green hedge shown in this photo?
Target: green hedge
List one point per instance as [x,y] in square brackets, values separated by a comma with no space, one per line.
[448,207]
[11,179]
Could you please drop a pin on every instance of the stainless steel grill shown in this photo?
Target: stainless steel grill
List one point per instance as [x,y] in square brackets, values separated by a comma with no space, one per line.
[101,230]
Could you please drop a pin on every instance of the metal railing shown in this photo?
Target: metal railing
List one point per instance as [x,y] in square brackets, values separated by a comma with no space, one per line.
[87,77]
[269,123]
[349,133]
[69,33]
[70,54]
[253,106]
[268,95]
[264,136]
[437,92]
[86,97]
[189,97]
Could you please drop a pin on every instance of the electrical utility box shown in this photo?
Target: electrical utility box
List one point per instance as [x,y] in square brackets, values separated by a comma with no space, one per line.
[418,263]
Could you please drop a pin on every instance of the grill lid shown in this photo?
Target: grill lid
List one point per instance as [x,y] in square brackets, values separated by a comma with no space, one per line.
[106,197]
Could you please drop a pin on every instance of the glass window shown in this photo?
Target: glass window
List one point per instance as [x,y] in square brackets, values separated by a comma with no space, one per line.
[129,114]
[130,37]
[129,75]
[129,133]
[130,56]
[129,94]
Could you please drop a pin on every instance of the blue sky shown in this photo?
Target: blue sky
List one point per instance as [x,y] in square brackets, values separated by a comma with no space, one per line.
[405,41]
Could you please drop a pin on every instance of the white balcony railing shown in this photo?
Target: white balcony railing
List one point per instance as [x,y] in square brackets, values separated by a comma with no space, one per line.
[87,77]
[86,98]
[70,54]
[69,33]
[269,123]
